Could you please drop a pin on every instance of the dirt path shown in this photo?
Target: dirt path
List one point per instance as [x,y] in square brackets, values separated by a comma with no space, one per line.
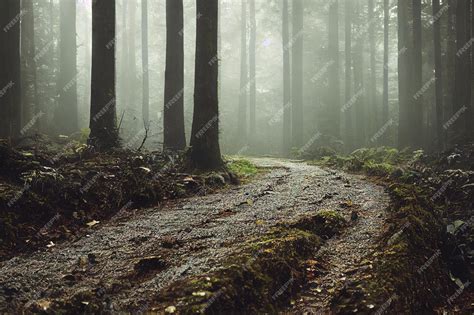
[193,236]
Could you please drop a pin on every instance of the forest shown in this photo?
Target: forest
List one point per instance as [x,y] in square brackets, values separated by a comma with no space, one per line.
[236,156]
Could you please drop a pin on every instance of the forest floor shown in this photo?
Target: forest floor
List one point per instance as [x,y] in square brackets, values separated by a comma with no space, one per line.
[128,261]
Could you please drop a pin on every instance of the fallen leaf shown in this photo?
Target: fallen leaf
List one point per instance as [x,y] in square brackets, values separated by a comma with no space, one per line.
[170,309]
[51,244]
[44,304]
[92,223]
[200,293]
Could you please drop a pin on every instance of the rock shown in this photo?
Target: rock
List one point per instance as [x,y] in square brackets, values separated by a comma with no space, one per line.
[149,264]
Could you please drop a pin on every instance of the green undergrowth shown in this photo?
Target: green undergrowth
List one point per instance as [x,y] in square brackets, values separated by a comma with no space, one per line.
[263,276]
[408,272]
[243,168]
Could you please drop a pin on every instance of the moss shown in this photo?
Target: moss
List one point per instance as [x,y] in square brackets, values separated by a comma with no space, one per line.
[242,168]
[262,276]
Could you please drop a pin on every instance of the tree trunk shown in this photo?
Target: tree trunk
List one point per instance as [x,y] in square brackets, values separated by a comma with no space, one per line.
[66,115]
[386,23]
[146,74]
[349,128]
[253,77]
[13,60]
[462,81]
[438,75]
[173,111]
[124,89]
[132,64]
[286,82]
[104,134]
[404,75]
[297,74]
[373,125]
[242,116]
[417,128]
[205,151]
[29,93]
[359,88]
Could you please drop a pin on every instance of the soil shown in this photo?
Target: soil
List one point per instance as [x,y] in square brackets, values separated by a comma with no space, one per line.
[125,261]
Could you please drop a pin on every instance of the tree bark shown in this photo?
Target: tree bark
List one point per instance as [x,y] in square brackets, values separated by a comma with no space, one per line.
[242,115]
[386,29]
[373,123]
[66,115]
[438,75]
[417,128]
[404,75]
[173,111]
[349,128]
[205,151]
[104,133]
[297,74]
[286,82]
[253,77]
[145,72]
[29,93]
[462,81]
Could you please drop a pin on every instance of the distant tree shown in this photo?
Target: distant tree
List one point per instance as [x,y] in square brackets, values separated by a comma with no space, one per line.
[66,115]
[286,82]
[244,78]
[416,124]
[404,75]
[253,78]
[29,93]
[333,124]
[173,111]
[348,114]
[462,82]
[386,30]
[145,73]
[104,133]
[359,84]
[10,86]
[438,75]
[297,73]
[205,151]
[132,82]
[373,124]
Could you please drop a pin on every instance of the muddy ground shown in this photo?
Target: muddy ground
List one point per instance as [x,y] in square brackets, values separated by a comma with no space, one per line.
[127,260]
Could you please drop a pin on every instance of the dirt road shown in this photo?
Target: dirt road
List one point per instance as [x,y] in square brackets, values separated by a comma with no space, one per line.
[130,258]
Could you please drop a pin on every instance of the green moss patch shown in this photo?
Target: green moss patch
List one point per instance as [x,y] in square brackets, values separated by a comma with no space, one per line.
[262,276]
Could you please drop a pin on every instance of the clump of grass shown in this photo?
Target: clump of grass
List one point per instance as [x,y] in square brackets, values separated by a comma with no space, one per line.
[242,168]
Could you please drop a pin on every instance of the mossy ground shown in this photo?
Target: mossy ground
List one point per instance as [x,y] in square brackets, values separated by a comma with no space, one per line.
[409,273]
[243,168]
[262,276]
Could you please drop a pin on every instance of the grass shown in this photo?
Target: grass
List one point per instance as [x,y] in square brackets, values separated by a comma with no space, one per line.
[243,168]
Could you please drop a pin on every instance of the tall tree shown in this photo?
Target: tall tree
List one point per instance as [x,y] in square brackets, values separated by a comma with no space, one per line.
[66,116]
[349,132]
[104,133]
[333,124]
[28,75]
[386,30]
[253,78]
[404,75]
[373,110]
[10,91]
[359,84]
[173,111]
[145,73]
[416,124]
[438,75]
[205,151]
[286,81]
[297,73]
[462,85]
[132,62]
[244,77]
